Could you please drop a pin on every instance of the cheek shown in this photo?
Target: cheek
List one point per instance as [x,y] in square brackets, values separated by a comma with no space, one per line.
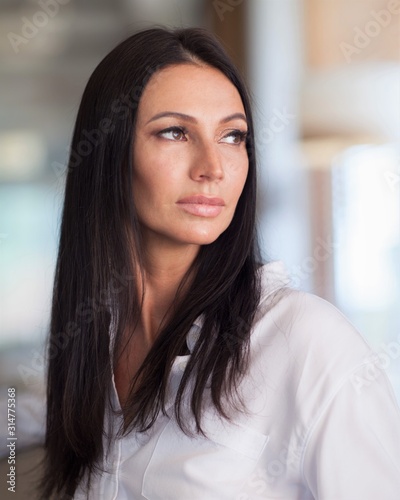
[157,170]
[147,177]
[238,180]
[153,191]
[144,192]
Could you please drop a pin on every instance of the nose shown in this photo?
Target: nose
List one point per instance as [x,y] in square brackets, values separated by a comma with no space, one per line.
[207,163]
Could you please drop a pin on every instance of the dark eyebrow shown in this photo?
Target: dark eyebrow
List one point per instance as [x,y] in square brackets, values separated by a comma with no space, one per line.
[235,116]
[188,118]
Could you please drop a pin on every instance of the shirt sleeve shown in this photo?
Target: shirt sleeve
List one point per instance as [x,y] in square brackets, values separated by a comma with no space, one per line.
[353,447]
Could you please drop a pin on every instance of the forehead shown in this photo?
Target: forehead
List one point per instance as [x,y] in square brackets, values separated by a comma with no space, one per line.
[192,89]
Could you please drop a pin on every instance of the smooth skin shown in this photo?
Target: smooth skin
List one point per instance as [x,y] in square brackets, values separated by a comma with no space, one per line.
[189,141]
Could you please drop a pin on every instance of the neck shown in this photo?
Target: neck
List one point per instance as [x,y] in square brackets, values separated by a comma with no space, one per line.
[163,271]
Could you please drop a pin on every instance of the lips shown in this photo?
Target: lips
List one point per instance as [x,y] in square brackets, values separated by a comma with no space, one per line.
[202,206]
[202,200]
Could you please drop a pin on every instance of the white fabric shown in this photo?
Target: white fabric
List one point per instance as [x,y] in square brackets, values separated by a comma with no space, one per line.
[322,423]
[320,427]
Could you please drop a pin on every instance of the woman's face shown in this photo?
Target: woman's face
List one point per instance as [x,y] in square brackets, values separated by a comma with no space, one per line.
[190,159]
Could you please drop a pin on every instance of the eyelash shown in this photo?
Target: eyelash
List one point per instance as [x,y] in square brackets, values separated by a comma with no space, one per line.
[241,133]
[173,129]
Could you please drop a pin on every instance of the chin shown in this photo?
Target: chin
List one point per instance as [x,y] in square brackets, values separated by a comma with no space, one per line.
[204,238]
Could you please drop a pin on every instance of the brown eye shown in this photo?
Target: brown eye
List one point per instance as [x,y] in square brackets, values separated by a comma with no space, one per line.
[173,134]
[177,134]
[235,137]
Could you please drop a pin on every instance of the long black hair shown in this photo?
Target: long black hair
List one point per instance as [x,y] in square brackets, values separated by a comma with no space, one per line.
[95,287]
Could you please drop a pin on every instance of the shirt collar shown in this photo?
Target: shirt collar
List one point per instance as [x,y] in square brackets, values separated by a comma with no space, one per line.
[274,277]
[191,338]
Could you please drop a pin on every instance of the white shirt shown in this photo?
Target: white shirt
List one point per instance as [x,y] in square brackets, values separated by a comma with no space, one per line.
[322,420]
[320,425]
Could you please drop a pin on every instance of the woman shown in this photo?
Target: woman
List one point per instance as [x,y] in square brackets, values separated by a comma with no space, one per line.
[179,367]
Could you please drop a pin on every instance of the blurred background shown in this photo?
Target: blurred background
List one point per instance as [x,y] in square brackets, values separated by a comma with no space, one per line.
[325,81]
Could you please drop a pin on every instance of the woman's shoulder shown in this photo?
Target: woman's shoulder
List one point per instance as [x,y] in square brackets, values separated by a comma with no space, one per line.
[305,332]
[314,389]
[303,353]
